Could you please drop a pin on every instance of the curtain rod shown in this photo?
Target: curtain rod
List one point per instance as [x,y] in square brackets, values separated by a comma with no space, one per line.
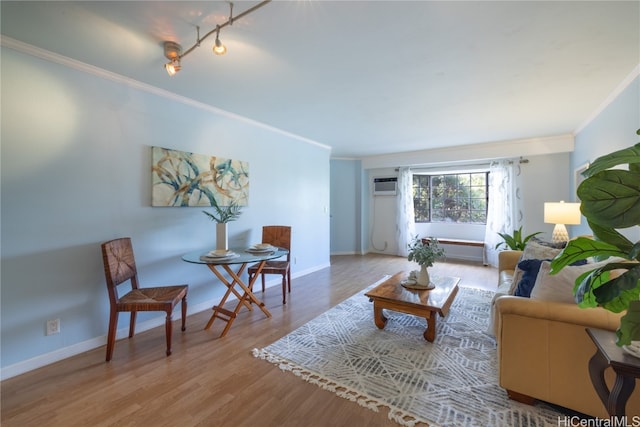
[520,160]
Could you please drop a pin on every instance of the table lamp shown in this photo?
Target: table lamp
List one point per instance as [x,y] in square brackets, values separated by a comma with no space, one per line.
[560,214]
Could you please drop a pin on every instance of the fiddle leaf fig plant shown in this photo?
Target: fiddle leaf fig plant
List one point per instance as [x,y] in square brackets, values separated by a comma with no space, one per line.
[610,200]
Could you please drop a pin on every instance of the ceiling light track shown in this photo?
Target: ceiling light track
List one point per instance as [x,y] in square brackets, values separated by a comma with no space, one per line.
[173,51]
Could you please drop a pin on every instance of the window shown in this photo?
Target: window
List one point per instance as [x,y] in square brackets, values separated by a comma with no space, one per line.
[460,197]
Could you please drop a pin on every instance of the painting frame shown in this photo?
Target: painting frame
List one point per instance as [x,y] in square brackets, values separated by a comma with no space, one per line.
[184,179]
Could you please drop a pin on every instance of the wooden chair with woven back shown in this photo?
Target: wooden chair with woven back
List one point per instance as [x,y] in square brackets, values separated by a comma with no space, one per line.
[120,268]
[279,236]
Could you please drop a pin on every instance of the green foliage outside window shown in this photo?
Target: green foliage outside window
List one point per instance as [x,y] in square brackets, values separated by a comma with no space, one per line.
[457,198]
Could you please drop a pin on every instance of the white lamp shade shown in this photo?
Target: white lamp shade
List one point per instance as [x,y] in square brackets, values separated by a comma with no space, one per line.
[562,213]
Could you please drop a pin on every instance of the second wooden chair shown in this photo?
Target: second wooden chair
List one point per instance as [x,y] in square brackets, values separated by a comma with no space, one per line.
[279,236]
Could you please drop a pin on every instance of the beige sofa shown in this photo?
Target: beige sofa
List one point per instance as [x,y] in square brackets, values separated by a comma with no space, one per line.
[543,349]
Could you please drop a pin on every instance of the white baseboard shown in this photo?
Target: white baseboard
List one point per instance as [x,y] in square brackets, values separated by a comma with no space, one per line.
[75,349]
[81,347]
[307,271]
[48,358]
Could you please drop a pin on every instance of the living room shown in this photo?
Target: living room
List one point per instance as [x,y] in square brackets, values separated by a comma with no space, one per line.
[76,162]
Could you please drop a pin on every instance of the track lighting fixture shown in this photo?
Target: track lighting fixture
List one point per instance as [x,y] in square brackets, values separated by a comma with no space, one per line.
[173,51]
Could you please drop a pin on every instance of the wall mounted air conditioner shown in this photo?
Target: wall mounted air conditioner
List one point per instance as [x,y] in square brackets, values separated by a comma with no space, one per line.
[385,186]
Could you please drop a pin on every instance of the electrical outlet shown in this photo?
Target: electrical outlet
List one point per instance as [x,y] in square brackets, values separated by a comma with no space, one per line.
[53,327]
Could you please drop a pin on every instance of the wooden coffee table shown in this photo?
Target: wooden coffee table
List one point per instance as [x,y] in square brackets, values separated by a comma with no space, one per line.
[391,295]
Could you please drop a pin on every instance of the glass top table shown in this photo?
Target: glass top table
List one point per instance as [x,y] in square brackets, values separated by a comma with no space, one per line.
[199,257]
[244,291]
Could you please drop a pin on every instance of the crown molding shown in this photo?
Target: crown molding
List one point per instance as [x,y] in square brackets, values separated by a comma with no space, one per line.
[612,96]
[46,55]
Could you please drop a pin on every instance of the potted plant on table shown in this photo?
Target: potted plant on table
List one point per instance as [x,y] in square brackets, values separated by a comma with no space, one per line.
[223,215]
[610,200]
[425,252]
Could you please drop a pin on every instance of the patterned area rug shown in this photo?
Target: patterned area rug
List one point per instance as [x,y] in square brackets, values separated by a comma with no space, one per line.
[450,382]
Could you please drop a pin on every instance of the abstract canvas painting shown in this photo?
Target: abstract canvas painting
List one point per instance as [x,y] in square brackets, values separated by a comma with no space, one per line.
[186,179]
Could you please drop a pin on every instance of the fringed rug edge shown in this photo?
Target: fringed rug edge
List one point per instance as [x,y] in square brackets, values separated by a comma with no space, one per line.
[397,415]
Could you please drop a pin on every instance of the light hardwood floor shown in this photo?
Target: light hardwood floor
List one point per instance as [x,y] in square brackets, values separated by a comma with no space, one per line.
[212,381]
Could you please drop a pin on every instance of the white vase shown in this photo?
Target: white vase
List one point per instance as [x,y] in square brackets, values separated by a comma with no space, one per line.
[423,276]
[221,236]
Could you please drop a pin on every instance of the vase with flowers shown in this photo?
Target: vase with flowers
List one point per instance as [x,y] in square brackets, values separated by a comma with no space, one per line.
[424,252]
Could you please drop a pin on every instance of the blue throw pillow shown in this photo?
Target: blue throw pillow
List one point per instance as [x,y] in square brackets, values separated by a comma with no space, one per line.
[530,269]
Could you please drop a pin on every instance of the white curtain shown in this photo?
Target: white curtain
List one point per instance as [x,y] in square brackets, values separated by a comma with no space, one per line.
[405,225]
[502,208]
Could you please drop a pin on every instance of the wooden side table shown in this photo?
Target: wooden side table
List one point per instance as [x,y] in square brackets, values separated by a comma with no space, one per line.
[391,295]
[626,367]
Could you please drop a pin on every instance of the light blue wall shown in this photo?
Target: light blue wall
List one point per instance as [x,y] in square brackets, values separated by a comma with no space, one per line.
[76,171]
[613,129]
[345,206]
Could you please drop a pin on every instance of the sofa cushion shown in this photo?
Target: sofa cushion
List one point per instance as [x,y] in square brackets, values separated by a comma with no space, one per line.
[533,250]
[504,282]
[555,245]
[559,287]
[530,268]
[504,285]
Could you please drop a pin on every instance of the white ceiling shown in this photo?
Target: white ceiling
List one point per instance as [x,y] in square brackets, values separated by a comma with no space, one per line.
[364,77]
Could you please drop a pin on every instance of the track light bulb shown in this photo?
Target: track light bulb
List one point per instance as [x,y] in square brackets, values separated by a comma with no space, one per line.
[172,67]
[219,48]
